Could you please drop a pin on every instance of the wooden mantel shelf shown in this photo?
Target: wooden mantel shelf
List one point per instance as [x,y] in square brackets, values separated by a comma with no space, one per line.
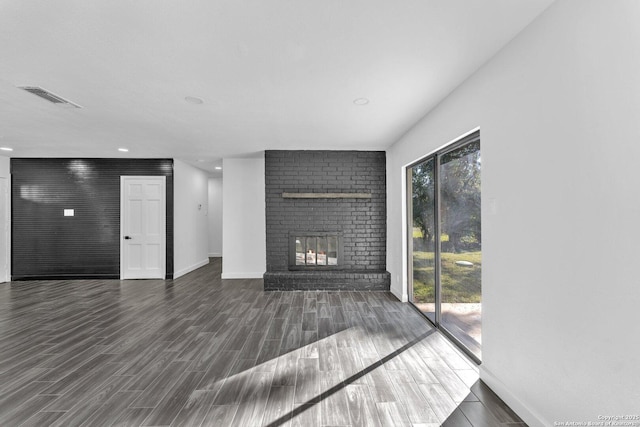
[326,195]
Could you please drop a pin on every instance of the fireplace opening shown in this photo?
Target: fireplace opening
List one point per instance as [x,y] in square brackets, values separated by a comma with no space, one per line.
[315,251]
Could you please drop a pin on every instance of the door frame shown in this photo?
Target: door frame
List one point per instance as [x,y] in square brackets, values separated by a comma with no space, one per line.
[6,225]
[123,179]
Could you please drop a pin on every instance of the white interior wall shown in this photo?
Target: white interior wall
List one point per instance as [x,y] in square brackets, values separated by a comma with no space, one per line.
[5,166]
[5,223]
[558,115]
[243,212]
[190,227]
[215,217]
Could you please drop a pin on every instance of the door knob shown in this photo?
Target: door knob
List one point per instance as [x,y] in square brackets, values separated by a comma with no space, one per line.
[128,237]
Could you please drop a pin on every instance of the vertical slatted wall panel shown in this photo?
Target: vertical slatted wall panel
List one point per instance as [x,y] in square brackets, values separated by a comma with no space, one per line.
[46,244]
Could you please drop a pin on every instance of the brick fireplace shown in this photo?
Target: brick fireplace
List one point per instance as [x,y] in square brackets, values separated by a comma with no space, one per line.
[326,220]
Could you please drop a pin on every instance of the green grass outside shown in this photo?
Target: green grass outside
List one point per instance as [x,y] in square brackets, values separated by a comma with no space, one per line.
[459,284]
[417,233]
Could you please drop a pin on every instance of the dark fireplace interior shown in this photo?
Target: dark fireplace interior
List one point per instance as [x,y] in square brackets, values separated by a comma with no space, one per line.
[315,250]
[326,220]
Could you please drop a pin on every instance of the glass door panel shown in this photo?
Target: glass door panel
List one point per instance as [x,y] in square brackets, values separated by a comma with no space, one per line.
[460,245]
[322,251]
[422,238]
[445,241]
[311,251]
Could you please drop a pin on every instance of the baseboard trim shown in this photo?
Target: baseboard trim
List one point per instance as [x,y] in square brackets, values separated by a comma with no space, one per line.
[531,417]
[402,297]
[215,254]
[65,277]
[249,275]
[190,268]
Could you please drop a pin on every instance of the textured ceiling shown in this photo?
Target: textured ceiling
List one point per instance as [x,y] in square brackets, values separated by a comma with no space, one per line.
[273,74]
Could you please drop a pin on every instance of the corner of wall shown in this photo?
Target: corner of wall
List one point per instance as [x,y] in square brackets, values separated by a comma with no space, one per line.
[243,216]
[189,269]
[214,189]
[191,228]
[402,297]
[531,417]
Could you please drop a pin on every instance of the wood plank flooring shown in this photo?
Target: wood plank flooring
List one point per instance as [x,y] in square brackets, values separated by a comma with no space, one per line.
[201,351]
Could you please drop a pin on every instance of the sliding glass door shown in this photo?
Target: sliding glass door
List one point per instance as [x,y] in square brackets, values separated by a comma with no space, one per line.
[445,241]
[422,239]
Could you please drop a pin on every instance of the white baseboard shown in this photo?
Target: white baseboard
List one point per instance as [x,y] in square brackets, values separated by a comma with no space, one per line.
[190,268]
[528,415]
[249,275]
[215,254]
[401,297]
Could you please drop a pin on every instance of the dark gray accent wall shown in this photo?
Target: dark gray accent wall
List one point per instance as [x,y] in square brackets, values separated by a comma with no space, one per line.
[361,221]
[46,244]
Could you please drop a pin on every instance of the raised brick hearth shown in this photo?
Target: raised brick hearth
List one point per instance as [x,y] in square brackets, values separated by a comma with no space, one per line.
[327,280]
[326,192]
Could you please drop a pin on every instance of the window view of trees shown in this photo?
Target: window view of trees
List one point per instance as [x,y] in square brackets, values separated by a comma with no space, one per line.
[422,181]
[460,241]
[460,192]
[423,209]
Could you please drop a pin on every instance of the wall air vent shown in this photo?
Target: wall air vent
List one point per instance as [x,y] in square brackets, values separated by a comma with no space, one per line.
[45,94]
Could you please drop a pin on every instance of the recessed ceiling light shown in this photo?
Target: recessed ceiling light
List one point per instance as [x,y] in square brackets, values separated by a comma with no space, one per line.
[193,100]
[218,168]
[361,101]
[6,148]
[124,150]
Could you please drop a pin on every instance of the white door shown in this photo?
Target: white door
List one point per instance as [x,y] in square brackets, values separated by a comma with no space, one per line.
[142,227]
[4,230]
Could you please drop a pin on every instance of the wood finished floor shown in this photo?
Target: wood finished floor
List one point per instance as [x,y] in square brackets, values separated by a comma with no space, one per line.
[201,351]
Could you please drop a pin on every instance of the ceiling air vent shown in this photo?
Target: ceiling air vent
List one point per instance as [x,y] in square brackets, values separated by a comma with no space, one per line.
[44,94]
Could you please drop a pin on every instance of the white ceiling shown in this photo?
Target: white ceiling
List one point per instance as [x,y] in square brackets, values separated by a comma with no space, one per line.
[273,74]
